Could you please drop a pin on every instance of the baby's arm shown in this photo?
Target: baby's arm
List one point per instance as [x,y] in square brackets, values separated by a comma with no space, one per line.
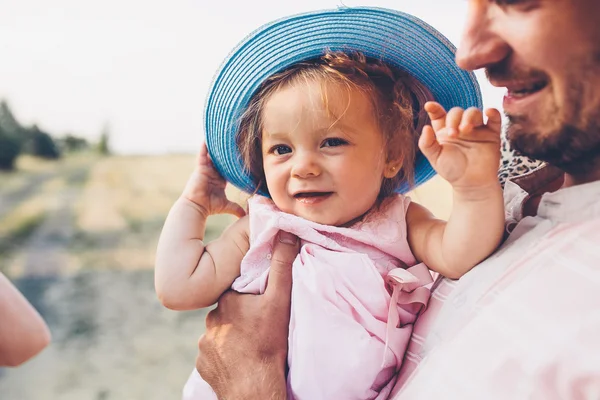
[188,274]
[466,152]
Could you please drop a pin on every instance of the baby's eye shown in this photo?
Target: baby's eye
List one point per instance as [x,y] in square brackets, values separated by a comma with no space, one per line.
[280,149]
[333,142]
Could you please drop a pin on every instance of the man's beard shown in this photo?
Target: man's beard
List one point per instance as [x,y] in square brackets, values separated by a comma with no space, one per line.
[572,149]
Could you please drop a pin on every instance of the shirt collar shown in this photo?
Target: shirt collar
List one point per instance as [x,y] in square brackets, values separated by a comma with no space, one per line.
[569,204]
[572,204]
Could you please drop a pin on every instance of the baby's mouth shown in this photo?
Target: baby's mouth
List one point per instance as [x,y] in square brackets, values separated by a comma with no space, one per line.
[312,197]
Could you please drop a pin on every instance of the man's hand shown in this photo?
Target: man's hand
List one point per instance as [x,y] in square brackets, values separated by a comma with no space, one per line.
[243,354]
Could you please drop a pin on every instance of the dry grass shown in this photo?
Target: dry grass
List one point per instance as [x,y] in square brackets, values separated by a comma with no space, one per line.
[123,206]
[27,166]
[18,224]
[29,209]
[124,189]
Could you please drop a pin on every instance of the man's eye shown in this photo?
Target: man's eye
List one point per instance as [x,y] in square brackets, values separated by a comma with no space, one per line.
[333,142]
[506,3]
[280,149]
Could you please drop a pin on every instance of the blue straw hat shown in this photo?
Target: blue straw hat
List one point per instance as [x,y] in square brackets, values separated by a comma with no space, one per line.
[398,39]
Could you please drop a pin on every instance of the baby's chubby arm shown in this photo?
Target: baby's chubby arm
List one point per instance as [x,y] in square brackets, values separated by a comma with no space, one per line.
[188,273]
[466,152]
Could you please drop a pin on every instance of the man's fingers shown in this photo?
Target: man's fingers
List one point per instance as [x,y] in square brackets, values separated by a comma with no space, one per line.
[285,250]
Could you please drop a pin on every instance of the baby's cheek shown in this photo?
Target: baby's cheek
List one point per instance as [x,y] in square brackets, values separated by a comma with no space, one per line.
[363,182]
[277,188]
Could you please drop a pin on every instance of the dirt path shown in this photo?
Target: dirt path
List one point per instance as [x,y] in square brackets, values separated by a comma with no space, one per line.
[111,337]
[10,200]
[45,251]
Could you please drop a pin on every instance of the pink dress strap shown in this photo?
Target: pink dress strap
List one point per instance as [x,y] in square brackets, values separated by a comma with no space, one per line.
[409,293]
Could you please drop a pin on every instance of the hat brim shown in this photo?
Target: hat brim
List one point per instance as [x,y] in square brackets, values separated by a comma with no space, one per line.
[396,38]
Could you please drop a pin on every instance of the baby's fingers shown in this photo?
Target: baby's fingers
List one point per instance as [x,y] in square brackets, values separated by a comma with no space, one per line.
[203,158]
[234,209]
[494,121]
[437,115]
[453,121]
[472,118]
[429,145]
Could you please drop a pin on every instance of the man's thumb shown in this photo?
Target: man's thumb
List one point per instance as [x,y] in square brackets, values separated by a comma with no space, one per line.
[285,250]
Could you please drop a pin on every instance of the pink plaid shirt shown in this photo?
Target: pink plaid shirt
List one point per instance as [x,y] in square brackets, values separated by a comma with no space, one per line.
[525,323]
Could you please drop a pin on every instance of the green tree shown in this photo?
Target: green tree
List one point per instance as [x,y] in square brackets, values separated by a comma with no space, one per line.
[104,142]
[9,150]
[72,143]
[8,122]
[11,137]
[41,144]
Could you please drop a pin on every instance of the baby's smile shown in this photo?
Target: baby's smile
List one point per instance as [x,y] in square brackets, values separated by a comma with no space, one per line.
[310,198]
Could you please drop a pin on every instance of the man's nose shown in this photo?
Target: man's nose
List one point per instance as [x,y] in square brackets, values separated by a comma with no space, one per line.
[305,166]
[480,45]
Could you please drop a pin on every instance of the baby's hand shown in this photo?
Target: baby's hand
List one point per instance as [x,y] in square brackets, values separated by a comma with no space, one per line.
[206,188]
[463,149]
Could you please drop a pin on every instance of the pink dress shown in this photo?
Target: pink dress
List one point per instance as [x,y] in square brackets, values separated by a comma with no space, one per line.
[348,334]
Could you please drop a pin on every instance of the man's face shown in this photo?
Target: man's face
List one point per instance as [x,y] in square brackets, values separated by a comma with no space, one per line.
[547,54]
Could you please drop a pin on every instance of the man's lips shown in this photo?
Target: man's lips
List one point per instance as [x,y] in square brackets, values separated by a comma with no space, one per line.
[521,88]
[525,90]
[522,94]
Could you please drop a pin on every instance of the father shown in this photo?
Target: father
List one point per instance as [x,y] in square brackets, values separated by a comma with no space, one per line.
[525,323]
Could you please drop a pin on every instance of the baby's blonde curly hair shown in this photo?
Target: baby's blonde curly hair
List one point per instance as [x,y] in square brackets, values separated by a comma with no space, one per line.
[397,100]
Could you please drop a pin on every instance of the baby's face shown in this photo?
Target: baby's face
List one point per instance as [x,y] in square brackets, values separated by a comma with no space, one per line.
[322,162]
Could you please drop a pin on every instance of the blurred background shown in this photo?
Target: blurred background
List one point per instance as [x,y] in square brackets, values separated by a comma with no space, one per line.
[101,106]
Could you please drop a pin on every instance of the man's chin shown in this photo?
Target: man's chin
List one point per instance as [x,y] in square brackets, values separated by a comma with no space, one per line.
[570,149]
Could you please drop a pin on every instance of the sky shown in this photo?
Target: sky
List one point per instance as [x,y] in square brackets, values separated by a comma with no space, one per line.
[142,68]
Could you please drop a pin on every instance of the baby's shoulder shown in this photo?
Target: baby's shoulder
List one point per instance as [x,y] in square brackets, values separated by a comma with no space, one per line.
[394,207]
[388,219]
